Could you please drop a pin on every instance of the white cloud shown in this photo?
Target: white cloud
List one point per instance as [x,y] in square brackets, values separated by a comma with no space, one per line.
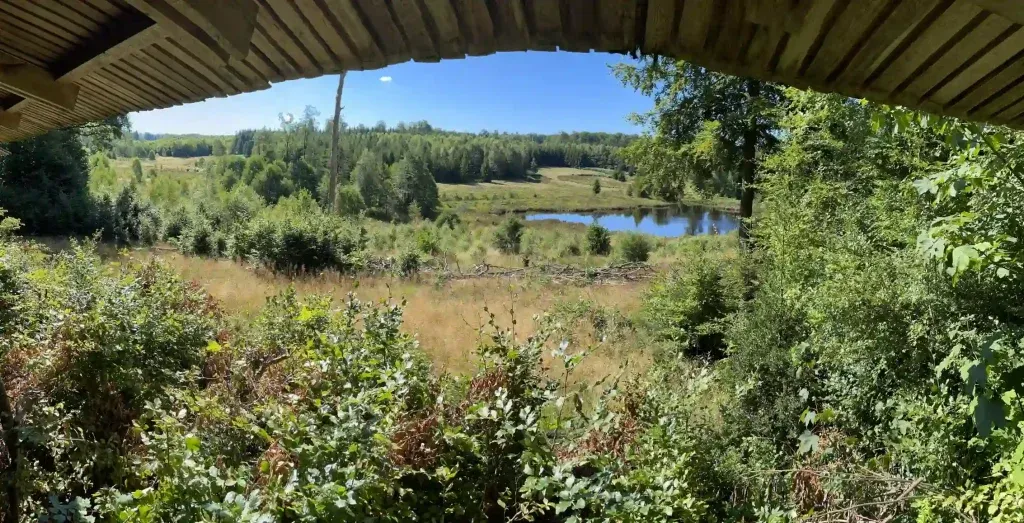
[385,79]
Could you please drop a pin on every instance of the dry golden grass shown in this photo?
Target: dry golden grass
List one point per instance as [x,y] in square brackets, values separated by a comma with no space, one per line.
[448,319]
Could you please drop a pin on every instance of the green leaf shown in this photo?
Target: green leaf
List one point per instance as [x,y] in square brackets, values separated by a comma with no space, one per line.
[192,442]
[808,442]
[562,506]
[963,257]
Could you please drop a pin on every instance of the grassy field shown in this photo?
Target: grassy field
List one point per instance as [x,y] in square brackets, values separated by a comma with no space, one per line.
[448,318]
[556,189]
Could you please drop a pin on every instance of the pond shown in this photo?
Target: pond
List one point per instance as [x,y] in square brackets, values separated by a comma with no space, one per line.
[682,220]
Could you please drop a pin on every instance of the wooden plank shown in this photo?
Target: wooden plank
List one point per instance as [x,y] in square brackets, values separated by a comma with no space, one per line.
[982,67]
[346,19]
[209,69]
[617,20]
[60,17]
[282,36]
[449,38]
[927,47]
[36,83]
[340,49]
[816,22]
[300,28]
[694,25]
[282,65]
[187,90]
[480,26]
[991,87]
[225,27]
[42,27]
[230,23]
[413,25]
[890,37]
[1010,9]
[732,32]
[9,120]
[510,27]
[658,29]
[385,31]
[547,25]
[183,72]
[580,21]
[847,37]
[959,57]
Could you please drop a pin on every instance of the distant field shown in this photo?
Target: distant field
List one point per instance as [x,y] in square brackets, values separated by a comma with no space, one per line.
[557,188]
[162,164]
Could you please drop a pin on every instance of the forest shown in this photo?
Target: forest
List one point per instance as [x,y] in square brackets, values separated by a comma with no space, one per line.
[224,338]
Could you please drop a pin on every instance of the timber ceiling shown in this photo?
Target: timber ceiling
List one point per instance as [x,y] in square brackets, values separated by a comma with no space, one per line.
[67,62]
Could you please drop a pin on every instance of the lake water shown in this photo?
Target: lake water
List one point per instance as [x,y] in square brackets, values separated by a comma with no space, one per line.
[683,220]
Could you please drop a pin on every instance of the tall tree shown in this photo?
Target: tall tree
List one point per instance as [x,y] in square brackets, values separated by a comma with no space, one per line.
[686,98]
[332,194]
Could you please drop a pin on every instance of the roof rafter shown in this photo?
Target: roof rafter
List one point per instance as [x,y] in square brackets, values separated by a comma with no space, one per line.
[223,26]
[9,120]
[34,82]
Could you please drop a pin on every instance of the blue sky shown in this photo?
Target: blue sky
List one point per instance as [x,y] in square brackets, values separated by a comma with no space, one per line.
[522,92]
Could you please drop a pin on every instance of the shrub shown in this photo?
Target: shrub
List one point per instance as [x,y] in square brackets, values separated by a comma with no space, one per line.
[448,219]
[509,236]
[599,240]
[427,241]
[690,306]
[407,263]
[297,243]
[349,201]
[634,247]
[175,223]
[597,186]
[198,239]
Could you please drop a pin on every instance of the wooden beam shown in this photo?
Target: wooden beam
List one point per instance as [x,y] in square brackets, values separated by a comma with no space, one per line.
[36,83]
[9,120]
[223,26]
[1012,10]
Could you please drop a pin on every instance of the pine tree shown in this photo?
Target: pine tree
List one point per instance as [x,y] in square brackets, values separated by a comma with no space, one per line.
[137,170]
[597,186]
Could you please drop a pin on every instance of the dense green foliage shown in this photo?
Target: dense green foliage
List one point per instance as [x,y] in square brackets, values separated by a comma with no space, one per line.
[707,131]
[509,236]
[310,413]
[599,240]
[862,361]
[633,248]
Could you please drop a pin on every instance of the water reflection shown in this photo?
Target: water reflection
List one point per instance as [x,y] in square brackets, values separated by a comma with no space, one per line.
[660,221]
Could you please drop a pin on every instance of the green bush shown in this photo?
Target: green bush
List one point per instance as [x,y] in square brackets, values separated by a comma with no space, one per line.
[175,223]
[97,345]
[690,306]
[427,241]
[509,236]
[596,187]
[599,240]
[448,219]
[408,263]
[198,239]
[634,247]
[299,243]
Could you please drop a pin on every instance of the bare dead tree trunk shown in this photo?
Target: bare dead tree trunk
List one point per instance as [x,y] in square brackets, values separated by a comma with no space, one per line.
[9,475]
[333,186]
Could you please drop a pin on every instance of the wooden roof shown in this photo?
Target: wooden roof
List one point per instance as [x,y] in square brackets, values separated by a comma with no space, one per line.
[65,62]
